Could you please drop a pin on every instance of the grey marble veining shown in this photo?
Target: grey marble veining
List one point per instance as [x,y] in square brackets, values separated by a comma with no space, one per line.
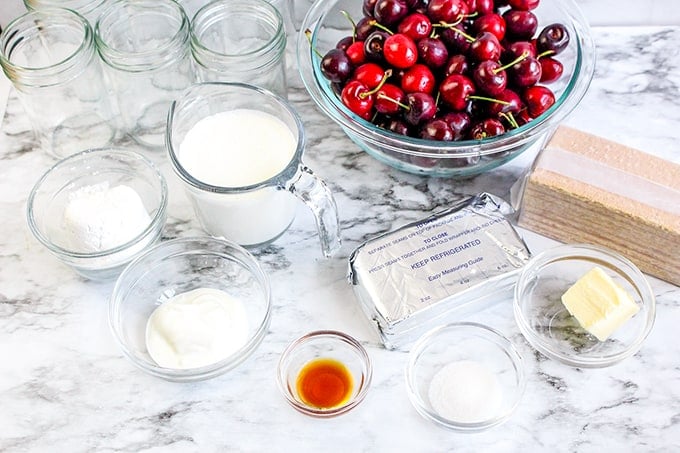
[65,386]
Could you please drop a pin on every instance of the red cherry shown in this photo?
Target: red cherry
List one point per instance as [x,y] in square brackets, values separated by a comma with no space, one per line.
[490,77]
[390,12]
[518,48]
[551,69]
[448,11]
[436,129]
[400,51]
[355,53]
[370,74]
[526,72]
[388,98]
[520,24]
[421,107]
[364,27]
[432,52]
[368,6]
[356,97]
[336,66]
[416,26]
[485,47]
[522,117]
[455,39]
[455,89]
[489,127]
[492,23]
[457,64]
[510,102]
[524,5]
[538,99]
[459,122]
[418,79]
[484,7]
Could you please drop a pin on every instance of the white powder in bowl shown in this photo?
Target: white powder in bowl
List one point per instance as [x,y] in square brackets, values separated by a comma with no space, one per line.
[465,392]
[98,218]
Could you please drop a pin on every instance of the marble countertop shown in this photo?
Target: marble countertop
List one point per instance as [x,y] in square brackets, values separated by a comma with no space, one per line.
[65,386]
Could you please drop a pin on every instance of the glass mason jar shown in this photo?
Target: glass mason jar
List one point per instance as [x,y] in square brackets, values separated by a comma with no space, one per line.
[89,9]
[50,58]
[240,41]
[144,45]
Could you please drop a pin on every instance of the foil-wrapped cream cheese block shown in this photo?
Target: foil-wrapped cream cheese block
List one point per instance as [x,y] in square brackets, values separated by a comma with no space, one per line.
[451,263]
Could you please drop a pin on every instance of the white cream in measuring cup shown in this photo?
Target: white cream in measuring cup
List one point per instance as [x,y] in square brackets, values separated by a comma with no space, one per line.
[238,150]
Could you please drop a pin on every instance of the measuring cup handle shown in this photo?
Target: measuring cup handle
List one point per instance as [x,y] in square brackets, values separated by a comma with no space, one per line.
[313,192]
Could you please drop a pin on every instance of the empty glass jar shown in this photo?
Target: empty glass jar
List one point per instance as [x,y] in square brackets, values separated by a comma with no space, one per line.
[50,58]
[240,41]
[145,47]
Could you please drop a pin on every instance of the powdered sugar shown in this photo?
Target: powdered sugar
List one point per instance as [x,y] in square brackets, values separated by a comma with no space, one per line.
[465,392]
[98,218]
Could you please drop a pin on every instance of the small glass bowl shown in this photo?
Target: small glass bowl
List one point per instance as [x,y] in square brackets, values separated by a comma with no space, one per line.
[114,166]
[550,328]
[181,265]
[324,344]
[465,341]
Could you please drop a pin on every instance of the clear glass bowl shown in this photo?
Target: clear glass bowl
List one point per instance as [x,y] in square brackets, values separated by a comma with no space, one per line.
[50,195]
[548,326]
[181,265]
[324,344]
[463,342]
[459,159]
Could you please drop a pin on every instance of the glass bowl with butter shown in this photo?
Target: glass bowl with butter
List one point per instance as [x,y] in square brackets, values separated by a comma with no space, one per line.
[98,209]
[190,309]
[324,373]
[584,305]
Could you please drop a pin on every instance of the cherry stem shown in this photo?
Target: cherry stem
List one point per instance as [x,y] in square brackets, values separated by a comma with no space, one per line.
[380,26]
[545,54]
[482,98]
[511,119]
[386,76]
[457,30]
[308,34]
[351,21]
[524,56]
[400,104]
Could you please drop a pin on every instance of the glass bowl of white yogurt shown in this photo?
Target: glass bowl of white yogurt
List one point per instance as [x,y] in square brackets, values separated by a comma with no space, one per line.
[190,309]
[465,376]
[99,209]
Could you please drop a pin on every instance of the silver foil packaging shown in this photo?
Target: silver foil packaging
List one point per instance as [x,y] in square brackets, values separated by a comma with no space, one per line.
[451,263]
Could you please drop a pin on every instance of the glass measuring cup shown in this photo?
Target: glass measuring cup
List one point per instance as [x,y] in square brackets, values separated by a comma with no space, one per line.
[258,213]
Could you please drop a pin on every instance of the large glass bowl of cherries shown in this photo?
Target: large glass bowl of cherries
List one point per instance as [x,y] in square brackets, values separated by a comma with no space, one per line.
[446,87]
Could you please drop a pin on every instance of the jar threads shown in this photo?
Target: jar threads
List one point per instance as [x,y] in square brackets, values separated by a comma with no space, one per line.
[50,58]
[240,41]
[90,9]
[145,47]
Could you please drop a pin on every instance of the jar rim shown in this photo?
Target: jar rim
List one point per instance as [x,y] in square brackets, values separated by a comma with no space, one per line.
[259,10]
[84,7]
[159,57]
[66,69]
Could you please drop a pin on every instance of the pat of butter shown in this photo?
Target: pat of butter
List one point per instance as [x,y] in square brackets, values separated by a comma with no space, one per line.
[599,305]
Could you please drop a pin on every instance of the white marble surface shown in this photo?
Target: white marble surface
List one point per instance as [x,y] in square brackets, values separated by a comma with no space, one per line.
[64,385]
